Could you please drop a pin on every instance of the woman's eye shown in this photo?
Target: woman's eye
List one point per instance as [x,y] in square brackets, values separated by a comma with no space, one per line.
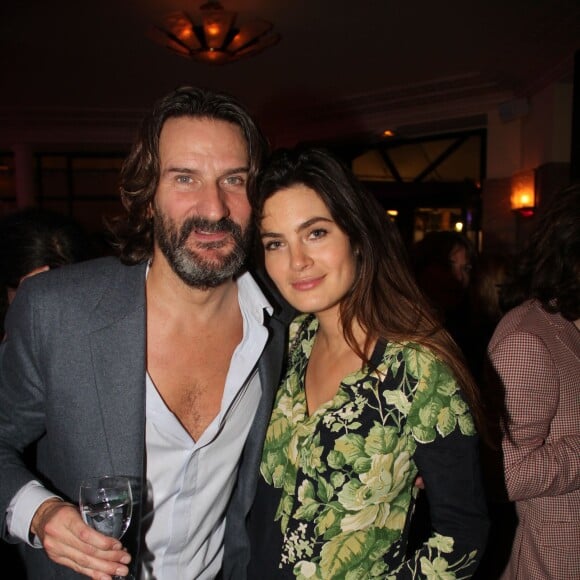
[273,245]
[318,233]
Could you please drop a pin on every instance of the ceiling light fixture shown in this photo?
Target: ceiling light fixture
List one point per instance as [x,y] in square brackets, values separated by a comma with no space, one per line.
[216,38]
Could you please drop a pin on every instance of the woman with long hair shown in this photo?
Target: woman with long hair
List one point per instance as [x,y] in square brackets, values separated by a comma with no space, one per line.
[376,393]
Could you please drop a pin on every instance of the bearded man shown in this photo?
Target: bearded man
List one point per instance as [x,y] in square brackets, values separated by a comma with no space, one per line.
[160,365]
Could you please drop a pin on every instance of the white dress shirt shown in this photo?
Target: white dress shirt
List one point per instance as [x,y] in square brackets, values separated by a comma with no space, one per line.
[191,481]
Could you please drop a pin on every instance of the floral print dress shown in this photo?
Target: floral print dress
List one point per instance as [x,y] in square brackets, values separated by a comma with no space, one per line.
[345,474]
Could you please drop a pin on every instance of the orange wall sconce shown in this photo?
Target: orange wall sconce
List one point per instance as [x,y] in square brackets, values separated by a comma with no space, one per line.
[523,193]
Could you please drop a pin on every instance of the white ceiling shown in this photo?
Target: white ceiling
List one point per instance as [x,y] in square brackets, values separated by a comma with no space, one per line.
[85,70]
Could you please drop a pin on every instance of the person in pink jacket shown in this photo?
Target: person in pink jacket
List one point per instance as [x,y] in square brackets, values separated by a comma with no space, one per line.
[535,354]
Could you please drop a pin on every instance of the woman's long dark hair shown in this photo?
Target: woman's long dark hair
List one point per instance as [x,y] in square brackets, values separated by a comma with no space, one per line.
[133,232]
[548,268]
[385,299]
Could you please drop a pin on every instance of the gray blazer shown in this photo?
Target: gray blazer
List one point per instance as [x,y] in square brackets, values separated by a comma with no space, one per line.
[72,378]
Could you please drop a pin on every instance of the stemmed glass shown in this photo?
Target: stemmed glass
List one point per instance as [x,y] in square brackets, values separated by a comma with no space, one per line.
[106,505]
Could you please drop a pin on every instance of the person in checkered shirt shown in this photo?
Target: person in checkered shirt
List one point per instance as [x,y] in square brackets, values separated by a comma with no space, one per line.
[535,354]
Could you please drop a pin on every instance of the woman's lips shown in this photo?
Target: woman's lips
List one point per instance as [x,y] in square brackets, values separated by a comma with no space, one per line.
[306,283]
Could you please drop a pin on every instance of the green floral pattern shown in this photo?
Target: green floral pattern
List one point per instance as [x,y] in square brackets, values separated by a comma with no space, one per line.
[346,473]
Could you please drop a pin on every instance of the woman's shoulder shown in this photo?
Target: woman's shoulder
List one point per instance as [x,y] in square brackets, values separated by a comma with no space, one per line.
[528,325]
[418,359]
[423,386]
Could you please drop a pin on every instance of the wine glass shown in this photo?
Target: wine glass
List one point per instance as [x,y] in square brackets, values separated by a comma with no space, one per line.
[106,505]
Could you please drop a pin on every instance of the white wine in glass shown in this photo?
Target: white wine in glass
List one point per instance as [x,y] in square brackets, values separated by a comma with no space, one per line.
[106,504]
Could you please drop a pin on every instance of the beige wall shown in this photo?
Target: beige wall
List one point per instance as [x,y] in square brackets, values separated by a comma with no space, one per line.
[529,135]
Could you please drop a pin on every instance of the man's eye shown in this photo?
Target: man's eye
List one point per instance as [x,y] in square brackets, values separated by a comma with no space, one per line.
[183,179]
[234,180]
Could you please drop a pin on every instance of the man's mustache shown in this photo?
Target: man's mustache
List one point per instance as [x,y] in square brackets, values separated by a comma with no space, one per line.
[197,223]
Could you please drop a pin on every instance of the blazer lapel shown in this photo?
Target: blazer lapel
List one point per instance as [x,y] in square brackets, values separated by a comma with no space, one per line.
[563,330]
[270,369]
[118,343]
[569,336]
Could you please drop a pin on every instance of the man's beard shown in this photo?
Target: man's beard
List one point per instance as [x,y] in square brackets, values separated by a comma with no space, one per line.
[190,266]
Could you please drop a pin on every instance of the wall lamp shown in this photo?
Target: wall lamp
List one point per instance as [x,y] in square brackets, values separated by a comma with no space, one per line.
[523,193]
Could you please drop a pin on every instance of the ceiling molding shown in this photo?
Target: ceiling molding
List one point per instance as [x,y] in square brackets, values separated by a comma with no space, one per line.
[436,101]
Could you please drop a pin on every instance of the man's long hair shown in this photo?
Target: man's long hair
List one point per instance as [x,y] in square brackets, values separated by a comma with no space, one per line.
[133,232]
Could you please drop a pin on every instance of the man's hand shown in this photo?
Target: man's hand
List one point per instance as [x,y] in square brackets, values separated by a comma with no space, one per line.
[68,541]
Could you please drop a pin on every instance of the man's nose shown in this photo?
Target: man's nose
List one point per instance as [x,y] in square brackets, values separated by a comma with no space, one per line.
[212,202]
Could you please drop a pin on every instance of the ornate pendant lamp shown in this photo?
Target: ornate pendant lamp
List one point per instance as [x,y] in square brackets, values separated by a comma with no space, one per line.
[213,37]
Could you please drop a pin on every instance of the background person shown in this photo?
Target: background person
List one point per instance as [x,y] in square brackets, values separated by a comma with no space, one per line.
[158,366]
[375,393]
[487,281]
[535,355]
[488,278]
[35,240]
[443,262]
